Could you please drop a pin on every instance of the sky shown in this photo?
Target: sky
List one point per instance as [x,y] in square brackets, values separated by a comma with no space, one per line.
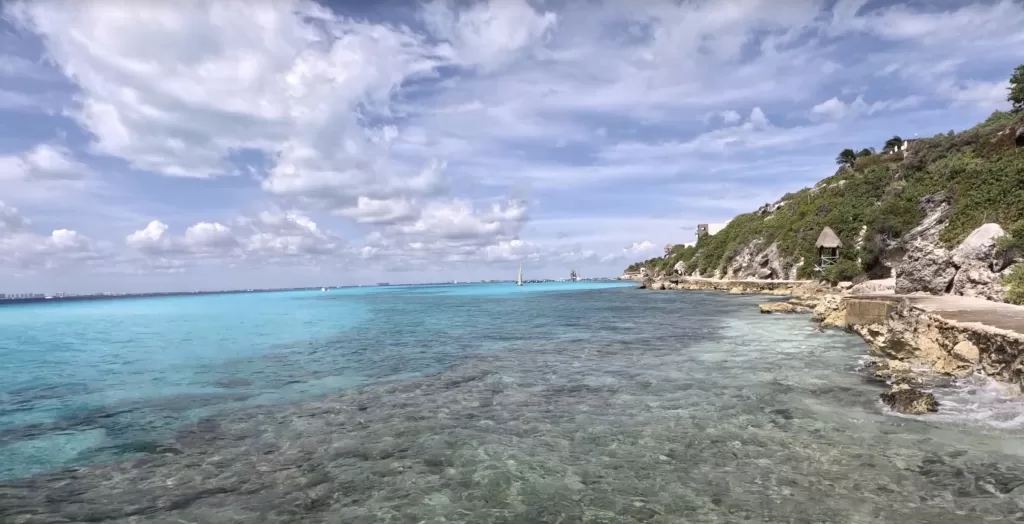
[166,145]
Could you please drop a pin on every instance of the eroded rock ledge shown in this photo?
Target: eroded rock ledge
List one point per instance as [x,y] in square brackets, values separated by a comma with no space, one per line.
[954,336]
[766,287]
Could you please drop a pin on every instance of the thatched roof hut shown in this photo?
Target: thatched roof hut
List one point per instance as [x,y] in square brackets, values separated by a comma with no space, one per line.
[828,239]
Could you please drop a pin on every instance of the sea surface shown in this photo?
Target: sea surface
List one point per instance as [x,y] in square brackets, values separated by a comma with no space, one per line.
[561,402]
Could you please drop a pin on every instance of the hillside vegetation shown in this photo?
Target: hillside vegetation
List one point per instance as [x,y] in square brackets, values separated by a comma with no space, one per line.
[873,200]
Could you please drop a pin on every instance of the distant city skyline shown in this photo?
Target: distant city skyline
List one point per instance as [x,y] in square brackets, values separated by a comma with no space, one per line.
[166,146]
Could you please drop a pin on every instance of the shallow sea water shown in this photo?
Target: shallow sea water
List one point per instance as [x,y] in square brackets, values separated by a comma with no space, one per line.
[483,404]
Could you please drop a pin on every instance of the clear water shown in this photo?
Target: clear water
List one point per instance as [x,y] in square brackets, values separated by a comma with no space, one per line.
[490,403]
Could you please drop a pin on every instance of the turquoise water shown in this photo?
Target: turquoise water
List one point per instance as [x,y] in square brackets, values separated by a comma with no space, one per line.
[87,381]
[477,404]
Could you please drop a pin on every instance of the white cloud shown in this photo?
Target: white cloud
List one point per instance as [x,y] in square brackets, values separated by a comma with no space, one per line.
[487,34]
[209,236]
[404,133]
[152,239]
[635,251]
[986,95]
[836,109]
[23,248]
[730,117]
[266,237]
[459,221]
[43,162]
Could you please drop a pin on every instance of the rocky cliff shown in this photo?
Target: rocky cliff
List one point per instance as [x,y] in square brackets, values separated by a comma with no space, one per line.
[936,218]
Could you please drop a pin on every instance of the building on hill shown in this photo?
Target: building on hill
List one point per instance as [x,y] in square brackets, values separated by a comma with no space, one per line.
[710,229]
[902,148]
[828,246]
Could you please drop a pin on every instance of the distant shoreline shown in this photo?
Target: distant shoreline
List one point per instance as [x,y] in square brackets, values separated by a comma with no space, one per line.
[84,298]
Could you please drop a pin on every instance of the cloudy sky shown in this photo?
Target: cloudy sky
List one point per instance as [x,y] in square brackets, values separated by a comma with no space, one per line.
[165,145]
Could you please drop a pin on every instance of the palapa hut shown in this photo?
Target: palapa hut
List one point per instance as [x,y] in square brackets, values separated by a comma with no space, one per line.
[828,245]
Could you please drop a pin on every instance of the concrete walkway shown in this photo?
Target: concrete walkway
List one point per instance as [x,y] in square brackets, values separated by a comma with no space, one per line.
[962,309]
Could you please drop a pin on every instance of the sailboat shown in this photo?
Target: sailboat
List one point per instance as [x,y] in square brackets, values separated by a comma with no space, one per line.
[519,281]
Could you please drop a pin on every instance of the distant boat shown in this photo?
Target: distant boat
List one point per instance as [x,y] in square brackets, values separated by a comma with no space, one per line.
[519,281]
[323,289]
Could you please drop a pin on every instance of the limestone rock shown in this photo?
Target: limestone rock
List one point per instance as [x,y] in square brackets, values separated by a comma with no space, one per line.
[843,286]
[679,268]
[752,262]
[909,400]
[884,286]
[830,311]
[979,267]
[809,302]
[976,279]
[918,262]
[966,351]
[783,307]
[926,267]
[891,371]
[979,246]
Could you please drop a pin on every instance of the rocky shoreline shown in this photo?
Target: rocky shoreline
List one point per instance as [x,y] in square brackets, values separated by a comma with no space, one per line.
[914,349]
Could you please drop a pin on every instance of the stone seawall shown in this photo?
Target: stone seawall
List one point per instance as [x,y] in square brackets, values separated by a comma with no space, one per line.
[951,335]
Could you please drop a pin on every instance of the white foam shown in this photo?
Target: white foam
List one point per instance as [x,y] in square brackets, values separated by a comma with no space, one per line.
[980,400]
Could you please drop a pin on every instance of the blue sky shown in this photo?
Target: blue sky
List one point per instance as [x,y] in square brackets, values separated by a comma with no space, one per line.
[162,145]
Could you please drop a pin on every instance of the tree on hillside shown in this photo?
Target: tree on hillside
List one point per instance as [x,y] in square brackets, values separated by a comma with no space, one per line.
[846,158]
[892,144]
[867,151]
[1016,96]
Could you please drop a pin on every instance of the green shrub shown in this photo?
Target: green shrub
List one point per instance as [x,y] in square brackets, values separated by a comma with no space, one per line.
[1014,281]
[867,161]
[844,270]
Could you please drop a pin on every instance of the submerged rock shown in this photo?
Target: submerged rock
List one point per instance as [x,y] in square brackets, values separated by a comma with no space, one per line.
[890,371]
[783,307]
[906,399]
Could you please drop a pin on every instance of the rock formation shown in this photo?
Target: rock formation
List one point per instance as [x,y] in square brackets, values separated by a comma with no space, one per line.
[971,269]
[924,265]
[978,267]
[679,268]
[783,307]
[752,262]
[912,401]
[874,287]
[829,311]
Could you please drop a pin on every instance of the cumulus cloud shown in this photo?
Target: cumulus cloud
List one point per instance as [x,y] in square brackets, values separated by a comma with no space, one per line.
[265,237]
[457,220]
[22,247]
[836,109]
[487,34]
[152,239]
[42,162]
[635,251]
[10,220]
[401,134]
